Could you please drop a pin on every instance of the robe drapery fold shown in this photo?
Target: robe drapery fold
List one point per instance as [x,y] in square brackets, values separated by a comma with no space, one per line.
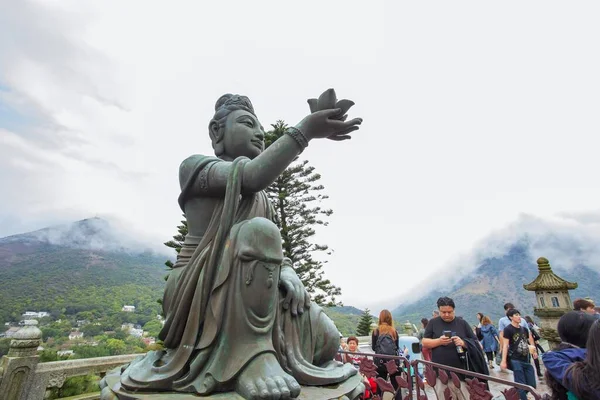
[202,302]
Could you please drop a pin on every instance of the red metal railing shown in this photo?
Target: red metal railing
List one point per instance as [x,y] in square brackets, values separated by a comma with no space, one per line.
[442,381]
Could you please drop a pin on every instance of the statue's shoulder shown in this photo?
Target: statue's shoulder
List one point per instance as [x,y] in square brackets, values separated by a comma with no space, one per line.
[195,162]
[194,167]
[197,159]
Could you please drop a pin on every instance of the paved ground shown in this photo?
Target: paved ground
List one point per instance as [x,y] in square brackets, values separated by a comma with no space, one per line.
[497,388]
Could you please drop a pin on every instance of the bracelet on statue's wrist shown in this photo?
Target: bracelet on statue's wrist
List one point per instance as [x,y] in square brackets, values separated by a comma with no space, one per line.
[298,136]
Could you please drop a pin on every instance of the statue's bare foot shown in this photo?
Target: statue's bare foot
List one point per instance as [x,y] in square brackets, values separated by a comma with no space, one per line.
[263,378]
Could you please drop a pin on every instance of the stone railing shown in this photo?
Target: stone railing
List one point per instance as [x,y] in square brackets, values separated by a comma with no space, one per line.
[23,377]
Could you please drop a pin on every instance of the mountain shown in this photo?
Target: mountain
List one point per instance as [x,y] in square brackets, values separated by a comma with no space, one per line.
[498,280]
[90,269]
[347,310]
[83,266]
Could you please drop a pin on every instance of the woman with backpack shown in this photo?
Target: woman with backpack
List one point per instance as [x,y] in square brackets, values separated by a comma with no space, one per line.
[384,340]
[490,340]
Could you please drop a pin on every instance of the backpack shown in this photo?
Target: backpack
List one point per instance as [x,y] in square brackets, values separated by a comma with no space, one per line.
[385,345]
[479,334]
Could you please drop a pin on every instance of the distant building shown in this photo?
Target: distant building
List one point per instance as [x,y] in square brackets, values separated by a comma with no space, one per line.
[127,327]
[75,335]
[35,314]
[27,322]
[128,308]
[62,353]
[136,332]
[149,341]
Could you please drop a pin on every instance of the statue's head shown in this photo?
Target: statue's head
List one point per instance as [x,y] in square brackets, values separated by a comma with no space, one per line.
[234,130]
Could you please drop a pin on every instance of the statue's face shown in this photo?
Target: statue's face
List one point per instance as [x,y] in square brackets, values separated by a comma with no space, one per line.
[243,135]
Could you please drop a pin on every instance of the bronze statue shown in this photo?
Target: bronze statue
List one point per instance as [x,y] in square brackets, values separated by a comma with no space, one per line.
[237,316]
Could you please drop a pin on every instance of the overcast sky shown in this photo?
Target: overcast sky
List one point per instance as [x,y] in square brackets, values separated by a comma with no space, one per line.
[479,117]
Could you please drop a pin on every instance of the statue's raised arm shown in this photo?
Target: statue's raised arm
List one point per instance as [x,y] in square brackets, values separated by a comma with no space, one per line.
[235,131]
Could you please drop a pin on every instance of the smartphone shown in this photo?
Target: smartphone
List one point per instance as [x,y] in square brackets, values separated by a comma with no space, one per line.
[448,334]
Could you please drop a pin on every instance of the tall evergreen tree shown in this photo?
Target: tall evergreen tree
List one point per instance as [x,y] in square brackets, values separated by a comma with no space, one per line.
[176,244]
[177,240]
[296,196]
[364,324]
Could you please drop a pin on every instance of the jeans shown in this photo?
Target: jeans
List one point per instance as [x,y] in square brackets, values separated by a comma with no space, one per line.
[523,373]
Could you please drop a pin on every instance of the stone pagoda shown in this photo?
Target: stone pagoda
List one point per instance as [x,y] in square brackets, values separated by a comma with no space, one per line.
[553,300]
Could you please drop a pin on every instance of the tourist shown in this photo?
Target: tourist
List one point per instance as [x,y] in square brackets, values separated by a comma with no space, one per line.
[424,350]
[584,305]
[446,336]
[535,334]
[574,329]
[503,323]
[384,340]
[583,377]
[435,314]
[355,359]
[517,352]
[479,318]
[353,348]
[490,340]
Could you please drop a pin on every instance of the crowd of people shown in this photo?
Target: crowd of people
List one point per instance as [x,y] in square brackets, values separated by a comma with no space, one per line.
[572,371]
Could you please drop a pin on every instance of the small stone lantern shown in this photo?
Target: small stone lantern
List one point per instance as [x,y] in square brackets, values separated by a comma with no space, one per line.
[553,300]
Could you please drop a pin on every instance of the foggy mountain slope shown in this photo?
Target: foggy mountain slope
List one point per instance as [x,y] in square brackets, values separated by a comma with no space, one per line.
[498,266]
[83,264]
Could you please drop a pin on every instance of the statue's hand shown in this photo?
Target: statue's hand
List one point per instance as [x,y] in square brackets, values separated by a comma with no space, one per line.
[328,118]
[297,298]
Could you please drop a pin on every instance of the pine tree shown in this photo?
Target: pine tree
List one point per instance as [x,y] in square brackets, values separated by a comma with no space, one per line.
[178,239]
[364,324]
[296,196]
[176,243]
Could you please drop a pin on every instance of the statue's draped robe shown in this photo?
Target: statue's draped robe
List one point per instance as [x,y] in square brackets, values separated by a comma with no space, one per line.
[203,334]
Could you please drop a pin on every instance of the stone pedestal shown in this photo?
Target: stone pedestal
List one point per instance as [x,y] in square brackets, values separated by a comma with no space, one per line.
[351,389]
[18,367]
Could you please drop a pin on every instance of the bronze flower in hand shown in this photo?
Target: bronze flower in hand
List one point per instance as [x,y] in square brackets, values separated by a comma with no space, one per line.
[329,101]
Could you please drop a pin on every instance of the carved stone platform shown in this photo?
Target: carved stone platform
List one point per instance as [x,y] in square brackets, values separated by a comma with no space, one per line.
[348,390]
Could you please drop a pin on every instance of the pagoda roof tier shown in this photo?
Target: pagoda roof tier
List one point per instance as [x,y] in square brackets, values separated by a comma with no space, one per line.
[548,280]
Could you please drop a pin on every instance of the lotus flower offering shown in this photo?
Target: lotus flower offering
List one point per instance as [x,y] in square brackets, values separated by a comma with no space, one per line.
[328,101]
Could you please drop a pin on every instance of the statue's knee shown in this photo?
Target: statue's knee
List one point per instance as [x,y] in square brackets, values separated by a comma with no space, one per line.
[327,340]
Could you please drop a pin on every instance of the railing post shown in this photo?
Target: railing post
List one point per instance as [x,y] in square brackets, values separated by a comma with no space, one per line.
[17,369]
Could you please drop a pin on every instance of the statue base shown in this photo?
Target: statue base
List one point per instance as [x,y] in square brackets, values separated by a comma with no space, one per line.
[350,389]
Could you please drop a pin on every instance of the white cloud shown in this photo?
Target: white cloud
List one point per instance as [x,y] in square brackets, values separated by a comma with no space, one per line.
[474,113]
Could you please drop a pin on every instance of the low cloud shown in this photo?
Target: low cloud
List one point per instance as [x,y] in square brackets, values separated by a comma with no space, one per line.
[567,240]
[100,234]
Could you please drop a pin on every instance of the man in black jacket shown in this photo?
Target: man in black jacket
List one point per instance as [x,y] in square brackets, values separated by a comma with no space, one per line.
[446,336]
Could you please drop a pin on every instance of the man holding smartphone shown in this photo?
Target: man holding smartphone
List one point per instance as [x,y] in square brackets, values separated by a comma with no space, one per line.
[445,336]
